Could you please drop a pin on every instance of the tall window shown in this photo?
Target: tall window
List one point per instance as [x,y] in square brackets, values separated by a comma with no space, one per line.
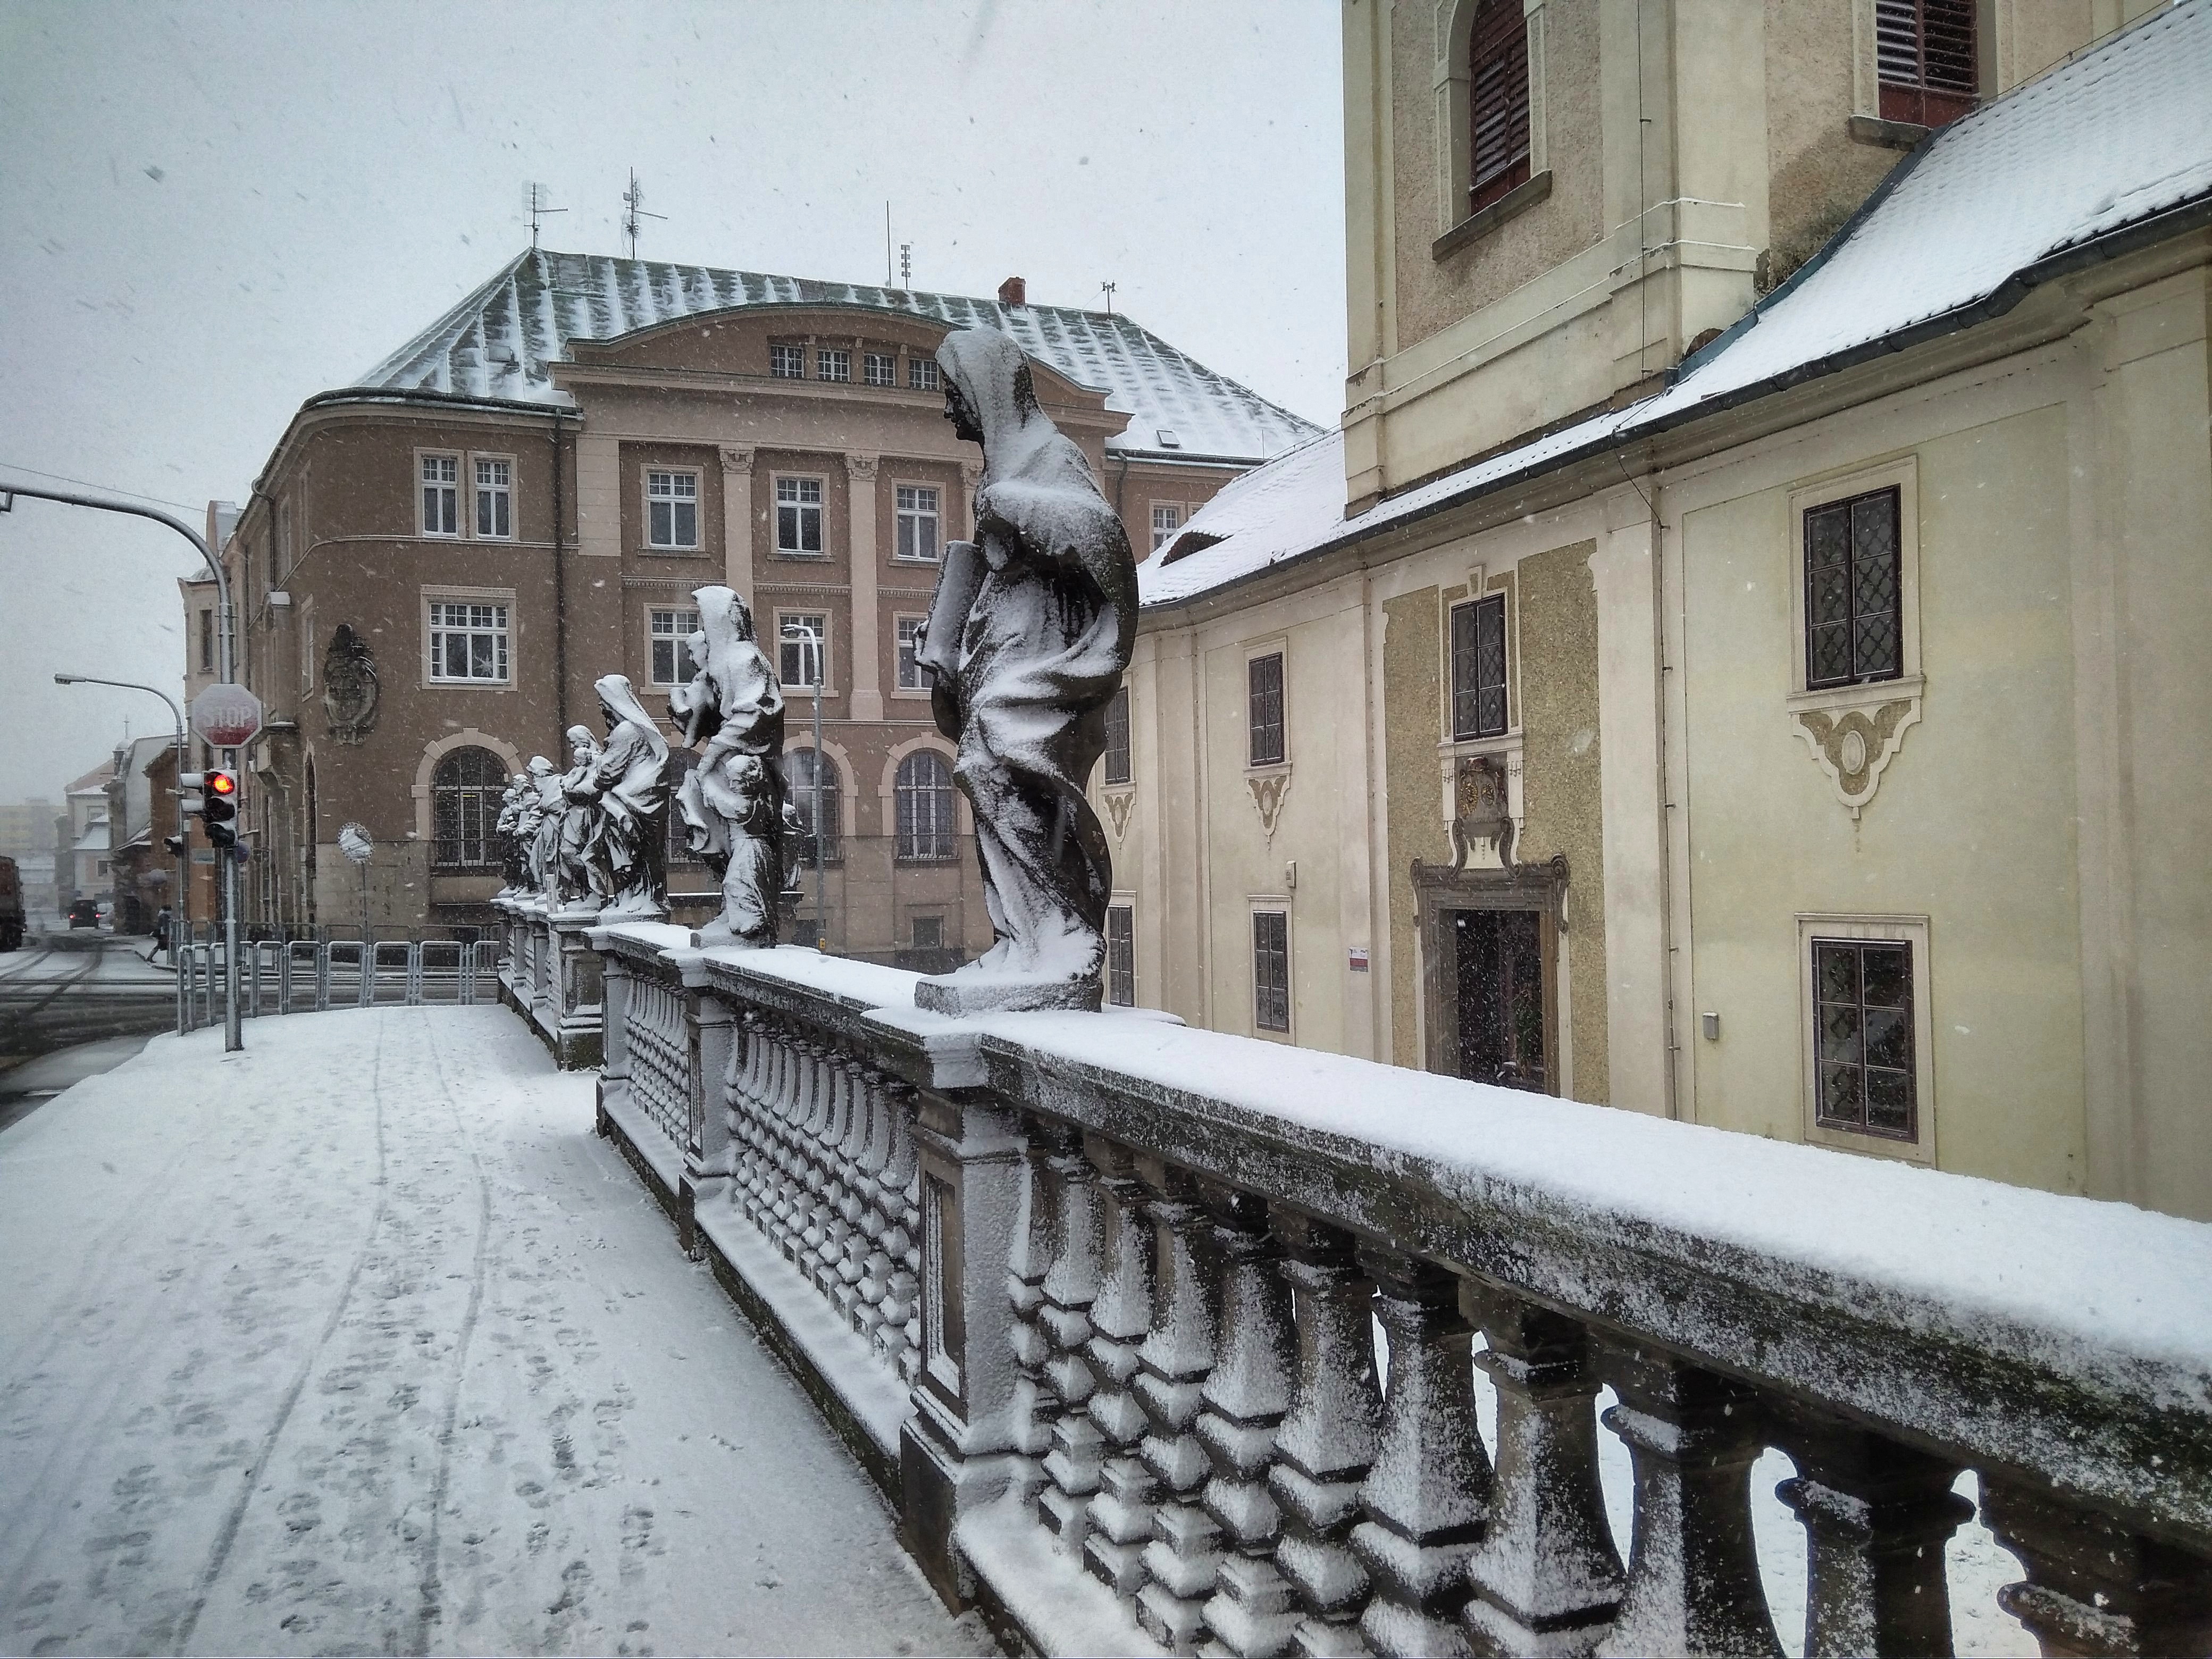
[682,762]
[496,499]
[803,770]
[787,363]
[671,632]
[1121,956]
[921,374]
[441,495]
[1862,1036]
[1853,582]
[833,365]
[671,509]
[1117,736]
[1167,519]
[910,675]
[1925,59]
[207,641]
[803,659]
[1498,82]
[465,797]
[1477,668]
[468,640]
[798,515]
[917,522]
[1263,678]
[1271,969]
[924,808]
[879,368]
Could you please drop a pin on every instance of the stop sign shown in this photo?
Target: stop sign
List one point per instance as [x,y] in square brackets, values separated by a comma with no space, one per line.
[227,716]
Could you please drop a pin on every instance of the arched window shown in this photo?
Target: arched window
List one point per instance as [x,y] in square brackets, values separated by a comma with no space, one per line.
[802,769]
[464,793]
[925,820]
[1498,82]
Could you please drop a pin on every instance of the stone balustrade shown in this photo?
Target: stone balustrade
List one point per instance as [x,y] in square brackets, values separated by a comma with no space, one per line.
[550,975]
[1160,1339]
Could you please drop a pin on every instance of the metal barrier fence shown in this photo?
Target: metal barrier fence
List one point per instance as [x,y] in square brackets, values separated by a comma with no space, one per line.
[301,977]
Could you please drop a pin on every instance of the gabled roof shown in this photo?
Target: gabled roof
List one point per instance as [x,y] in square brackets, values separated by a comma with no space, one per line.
[2112,147]
[496,346]
[95,781]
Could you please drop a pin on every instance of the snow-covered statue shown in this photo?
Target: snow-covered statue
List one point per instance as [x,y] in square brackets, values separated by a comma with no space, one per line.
[625,794]
[514,848]
[733,803]
[1027,638]
[539,825]
[583,827]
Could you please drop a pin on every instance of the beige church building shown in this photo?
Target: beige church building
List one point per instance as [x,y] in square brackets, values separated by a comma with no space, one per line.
[1737,660]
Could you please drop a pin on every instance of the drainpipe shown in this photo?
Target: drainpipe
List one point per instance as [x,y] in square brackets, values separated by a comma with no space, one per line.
[560,594]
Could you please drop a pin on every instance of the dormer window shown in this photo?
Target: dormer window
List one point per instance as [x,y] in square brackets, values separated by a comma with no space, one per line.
[1498,81]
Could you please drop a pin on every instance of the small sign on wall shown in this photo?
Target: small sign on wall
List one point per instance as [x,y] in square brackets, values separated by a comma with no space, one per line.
[1359,963]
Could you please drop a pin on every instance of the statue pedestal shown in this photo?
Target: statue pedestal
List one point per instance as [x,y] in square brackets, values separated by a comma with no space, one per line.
[1006,994]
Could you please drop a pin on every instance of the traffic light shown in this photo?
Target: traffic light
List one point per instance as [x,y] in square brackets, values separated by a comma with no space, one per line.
[219,807]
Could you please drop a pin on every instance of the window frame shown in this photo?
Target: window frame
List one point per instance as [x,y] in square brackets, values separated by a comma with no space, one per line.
[504,632]
[800,506]
[1919,101]
[923,374]
[696,500]
[879,368]
[780,352]
[207,640]
[679,642]
[450,488]
[487,807]
[1903,474]
[1117,724]
[900,622]
[783,619]
[802,801]
[1121,974]
[501,492]
[1476,607]
[1276,908]
[1862,928]
[901,515]
[833,365]
[306,637]
[1886,501]
[1177,515]
[1255,761]
[1498,34]
[906,833]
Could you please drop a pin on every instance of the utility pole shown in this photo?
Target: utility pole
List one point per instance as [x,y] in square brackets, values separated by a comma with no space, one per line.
[633,210]
[234,1037]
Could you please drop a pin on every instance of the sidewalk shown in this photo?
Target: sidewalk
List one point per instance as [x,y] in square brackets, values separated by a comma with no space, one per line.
[361,1341]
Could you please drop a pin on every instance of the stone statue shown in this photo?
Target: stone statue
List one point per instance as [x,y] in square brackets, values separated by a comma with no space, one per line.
[626,794]
[350,688]
[582,828]
[1027,638]
[734,803]
[540,824]
[514,857]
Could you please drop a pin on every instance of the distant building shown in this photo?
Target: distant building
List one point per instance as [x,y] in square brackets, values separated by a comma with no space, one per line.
[438,562]
[27,835]
[142,812]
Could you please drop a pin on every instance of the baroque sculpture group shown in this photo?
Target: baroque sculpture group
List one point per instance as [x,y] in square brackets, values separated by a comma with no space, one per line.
[1027,638]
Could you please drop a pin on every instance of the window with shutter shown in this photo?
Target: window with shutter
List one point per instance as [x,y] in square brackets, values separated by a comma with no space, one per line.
[1924,58]
[1498,127]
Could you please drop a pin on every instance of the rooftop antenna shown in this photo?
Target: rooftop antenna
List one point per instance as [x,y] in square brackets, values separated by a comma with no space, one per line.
[887,244]
[906,265]
[1107,288]
[633,210]
[538,210]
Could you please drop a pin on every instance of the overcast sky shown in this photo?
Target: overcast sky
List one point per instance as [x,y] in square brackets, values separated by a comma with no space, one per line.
[209,212]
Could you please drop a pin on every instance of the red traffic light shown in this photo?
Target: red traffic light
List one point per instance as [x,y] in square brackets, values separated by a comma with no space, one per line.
[220,783]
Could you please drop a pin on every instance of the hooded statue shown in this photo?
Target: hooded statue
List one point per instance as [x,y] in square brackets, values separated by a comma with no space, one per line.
[513,846]
[625,791]
[540,824]
[733,803]
[581,827]
[1026,642]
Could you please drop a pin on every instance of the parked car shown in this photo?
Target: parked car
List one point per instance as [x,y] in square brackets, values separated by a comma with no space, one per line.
[84,912]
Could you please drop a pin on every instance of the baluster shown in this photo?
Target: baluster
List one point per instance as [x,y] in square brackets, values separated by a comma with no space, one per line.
[825,1130]
[1693,1582]
[1070,1287]
[1028,1261]
[876,1215]
[775,1115]
[1547,1578]
[853,1200]
[745,1114]
[898,1339]
[2094,1587]
[1184,1554]
[1253,1610]
[797,1098]
[1121,1512]
[1876,1518]
[1425,1498]
[1328,1442]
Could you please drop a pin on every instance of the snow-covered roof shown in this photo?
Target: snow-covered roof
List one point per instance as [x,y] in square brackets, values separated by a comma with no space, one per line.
[95,837]
[2105,144]
[497,344]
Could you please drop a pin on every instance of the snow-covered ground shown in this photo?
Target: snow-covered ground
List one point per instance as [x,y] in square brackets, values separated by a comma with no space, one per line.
[362,1342]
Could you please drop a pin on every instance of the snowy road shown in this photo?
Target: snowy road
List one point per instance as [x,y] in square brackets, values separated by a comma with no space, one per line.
[361,1341]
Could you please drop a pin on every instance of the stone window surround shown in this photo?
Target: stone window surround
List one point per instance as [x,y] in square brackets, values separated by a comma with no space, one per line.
[798,695]
[305,639]
[1125,902]
[447,592]
[1277,645]
[1481,584]
[1906,929]
[777,477]
[697,545]
[964,819]
[462,520]
[919,693]
[464,499]
[645,610]
[513,463]
[467,737]
[1256,905]
[896,482]
[1456,226]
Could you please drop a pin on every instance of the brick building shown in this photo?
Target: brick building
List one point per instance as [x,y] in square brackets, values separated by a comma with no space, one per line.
[437,562]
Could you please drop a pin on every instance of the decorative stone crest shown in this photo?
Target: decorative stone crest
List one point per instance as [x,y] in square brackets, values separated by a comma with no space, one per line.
[1854,746]
[1029,633]
[1481,809]
[350,687]
[1268,790]
[1118,803]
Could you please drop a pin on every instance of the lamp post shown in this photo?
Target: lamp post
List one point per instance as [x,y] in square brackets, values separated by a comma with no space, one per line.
[176,717]
[234,1037]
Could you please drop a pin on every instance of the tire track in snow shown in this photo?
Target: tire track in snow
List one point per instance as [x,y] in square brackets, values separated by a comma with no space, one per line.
[432,1608]
[227,1534]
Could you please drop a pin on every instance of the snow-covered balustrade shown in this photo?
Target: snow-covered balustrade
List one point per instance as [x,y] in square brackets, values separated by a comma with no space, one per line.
[1160,1338]
[551,976]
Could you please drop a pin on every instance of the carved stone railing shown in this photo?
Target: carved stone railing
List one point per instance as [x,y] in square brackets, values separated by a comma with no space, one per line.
[1164,1339]
[550,976]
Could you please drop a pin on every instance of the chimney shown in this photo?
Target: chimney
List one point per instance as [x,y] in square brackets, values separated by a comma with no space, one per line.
[1014,291]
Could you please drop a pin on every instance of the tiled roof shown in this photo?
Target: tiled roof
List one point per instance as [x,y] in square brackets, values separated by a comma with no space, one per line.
[497,344]
[2105,144]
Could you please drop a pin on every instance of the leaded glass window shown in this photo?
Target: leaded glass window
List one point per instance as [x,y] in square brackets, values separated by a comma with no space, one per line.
[1264,693]
[1117,736]
[1862,1036]
[1271,969]
[1478,665]
[1854,621]
[1121,956]
[465,791]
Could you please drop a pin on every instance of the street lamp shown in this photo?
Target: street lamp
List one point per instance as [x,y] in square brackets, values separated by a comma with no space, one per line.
[176,719]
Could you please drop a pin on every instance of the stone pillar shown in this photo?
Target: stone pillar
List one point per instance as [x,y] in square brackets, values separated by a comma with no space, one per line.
[575,1019]
[710,1041]
[614,1062]
[1121,1317]
[864,656]
[737,520]
[2093,1587]
[957,1451]
[1184,1554]
[1071,1285]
